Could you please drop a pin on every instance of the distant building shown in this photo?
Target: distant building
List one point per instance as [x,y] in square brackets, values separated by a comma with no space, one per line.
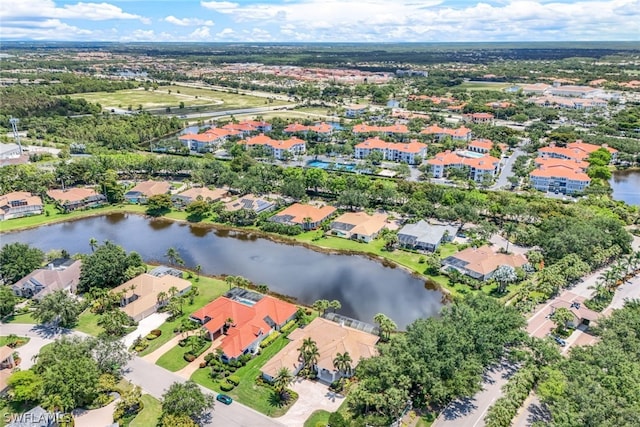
[479,167]
[479,118]
[411,73]
[9,151]
[209,139]
[18,204]
[484,146]
[408,152]
[459,134]
[199,193]
[425,236]
[278,148]
[356,110]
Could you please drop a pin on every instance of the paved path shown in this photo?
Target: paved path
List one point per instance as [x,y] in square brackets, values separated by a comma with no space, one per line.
[155,355]
[155,380]
[188,370]
[102,417]
[145,326]
[470,411]
[312,396]
[532,411]
[507,170]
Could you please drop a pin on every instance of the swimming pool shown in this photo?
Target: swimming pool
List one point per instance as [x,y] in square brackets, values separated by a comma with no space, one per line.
[321,164]
[470,154]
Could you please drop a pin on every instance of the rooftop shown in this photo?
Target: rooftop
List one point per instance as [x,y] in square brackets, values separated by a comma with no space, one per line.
[147,287]
[72,194]
[298,213]
[484,260]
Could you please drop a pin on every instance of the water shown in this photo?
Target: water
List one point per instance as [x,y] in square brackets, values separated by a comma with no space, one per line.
[626,186]
[363,286]
[327,165]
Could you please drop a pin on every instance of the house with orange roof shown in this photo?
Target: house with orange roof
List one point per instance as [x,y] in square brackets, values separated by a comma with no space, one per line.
[479,118]
[243,319]
[577,150]
[296,128]
[278,148]
[480,263]
[409,152]
[209,139]
[18,204]
[358,226]
[560,176]
[484,146]
[388,130]
[479,167]
[71,199]
[459,134]
[199,193]
[331,338]
[247,127]
[306,216]
[143,190]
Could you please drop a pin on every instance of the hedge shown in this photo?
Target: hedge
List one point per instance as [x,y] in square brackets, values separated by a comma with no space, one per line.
[156,332]
[268,340]
[291,325]
[234,379]
[151,337]
[226,386]
[189,357]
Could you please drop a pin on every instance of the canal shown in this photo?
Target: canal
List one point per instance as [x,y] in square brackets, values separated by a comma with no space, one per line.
[363,286]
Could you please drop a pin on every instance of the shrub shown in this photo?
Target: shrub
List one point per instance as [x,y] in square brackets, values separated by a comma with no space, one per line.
[156,332]
[271,338]
[209,357]
[226,386]
[151,337]
[182,343]
[290,326]
[234,379]
[232,368]
[189,357]
[244,359]
[203,364]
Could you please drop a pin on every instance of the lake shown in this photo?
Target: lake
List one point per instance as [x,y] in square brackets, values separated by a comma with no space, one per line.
[363,286]
[626,186]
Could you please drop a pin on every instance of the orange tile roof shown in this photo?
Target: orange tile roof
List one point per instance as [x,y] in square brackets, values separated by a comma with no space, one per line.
[261,139]
[412,146]
[397,128]
[373,143]
[151,188]
[248,321]
[449,158]
[71,194]
[484,260]
[588,148]
[299,212]
[480,115]
[485,144]
[363,223]
[546,162]
[437,130]
[561,171]
[296,127]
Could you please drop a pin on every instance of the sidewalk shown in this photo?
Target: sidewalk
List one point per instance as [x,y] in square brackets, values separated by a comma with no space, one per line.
[155,355]
[188,370]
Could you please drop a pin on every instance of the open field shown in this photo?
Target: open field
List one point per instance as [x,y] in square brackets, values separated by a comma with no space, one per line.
[172,96]
[484,86]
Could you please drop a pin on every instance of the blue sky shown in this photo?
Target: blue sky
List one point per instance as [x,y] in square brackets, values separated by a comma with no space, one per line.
[320,20]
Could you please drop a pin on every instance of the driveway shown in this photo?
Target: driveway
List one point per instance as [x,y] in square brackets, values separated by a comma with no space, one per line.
[627,291]
[470,411]
[145,326]
[500,242]
[102,417]
[312,396]
[507,170]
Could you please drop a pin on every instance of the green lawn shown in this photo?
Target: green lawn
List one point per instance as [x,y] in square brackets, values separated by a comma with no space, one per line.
[210,289]
[150,414]
[21,318]
[55,216]
[318,417]
[5,339]
[248,392]
[88,323]
[173,359]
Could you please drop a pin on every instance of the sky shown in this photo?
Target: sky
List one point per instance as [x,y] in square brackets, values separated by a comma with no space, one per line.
[320,20]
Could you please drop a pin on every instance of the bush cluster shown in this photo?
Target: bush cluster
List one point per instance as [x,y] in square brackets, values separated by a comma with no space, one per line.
[268,340]
[290,326]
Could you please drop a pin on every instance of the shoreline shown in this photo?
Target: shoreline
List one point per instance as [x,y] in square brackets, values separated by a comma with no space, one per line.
[430,283]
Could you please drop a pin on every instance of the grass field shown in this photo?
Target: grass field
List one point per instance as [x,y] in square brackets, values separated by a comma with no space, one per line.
[88,323]
[21,318]
[173,359]
[248,392]
[172,96]
[318,417]
[484,86]
[150,414]
[210,289]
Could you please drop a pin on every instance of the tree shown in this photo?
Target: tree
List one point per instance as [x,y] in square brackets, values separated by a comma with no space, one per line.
[159,204]
[281,382]
[174,256]
[198,210]
[26,386]
[352,198]
[107,267]
[93,244]
[509,228]
[335,305]
[321,306]
[385,325]
[114,322]
[170,420]
[561,316]
[8,301]
[504,275]
[342,363]
[198,268]
[59,308]
[187,399]
[110,354]
[17,260]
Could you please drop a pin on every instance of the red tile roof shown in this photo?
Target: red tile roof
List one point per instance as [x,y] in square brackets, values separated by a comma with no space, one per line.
[412,146]
[437,130]
[449,158]
[301,211]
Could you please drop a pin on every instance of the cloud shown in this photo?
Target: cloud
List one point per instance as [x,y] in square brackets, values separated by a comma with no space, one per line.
[220,6]
[47,9]
[188,22]
[49,29]
[227,32]
[201,33]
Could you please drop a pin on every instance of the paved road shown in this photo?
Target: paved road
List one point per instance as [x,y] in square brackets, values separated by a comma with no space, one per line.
[507,170]
[470,412]
[152,379]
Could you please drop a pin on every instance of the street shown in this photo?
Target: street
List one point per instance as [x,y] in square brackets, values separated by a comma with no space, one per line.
[507,170]
[150,377]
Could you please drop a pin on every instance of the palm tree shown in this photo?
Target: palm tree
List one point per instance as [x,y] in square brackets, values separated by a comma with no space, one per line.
[281,382]
[231,281]
[342,363]
[335,305]
[93,244]
[509,229]
[173,291]
[386,325]
[161,298]
[307,222]
[198,268]
[174,256]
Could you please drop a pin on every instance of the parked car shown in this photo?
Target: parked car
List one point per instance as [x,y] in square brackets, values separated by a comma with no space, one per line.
[224,399]
[559,340]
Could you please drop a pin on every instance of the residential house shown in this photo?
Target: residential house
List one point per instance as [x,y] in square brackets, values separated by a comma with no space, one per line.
[356,110]
[143,190]
[280,149]
[247,127]
[199,193]
[406,152]
[250,202]
[243,319]
[59,275]
[577,150]
[36,417]
[425,236]
[479,118]
[211,138]
[331,338]
[6,358]
[480,263]
[479,167]
[460,134]
[306,216]
[71,199]
[484,146]
[18,204]
[359,226]
[140,295]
